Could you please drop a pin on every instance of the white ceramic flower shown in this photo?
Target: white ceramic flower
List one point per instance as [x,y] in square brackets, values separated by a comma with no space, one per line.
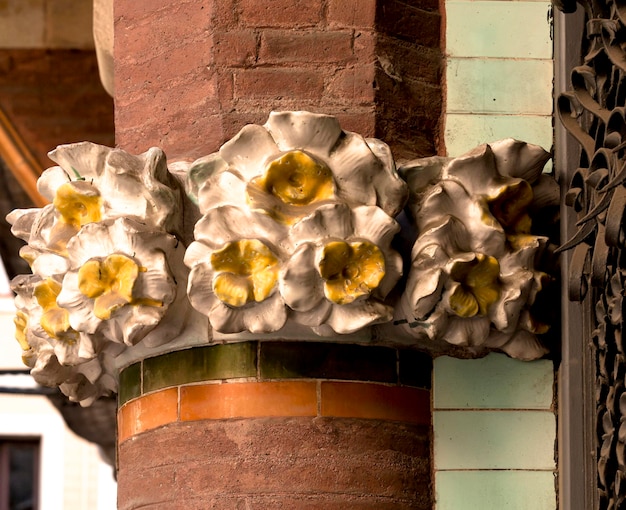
[235,263]
[341,269]
[474,277]
[120,283]
[293,164]
[93,184]
[57,354]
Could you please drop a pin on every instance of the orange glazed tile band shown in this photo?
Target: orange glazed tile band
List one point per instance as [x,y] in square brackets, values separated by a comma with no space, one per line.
[219,401]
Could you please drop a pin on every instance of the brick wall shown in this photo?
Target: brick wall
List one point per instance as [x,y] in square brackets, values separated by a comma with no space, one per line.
[190,74]
[55,97]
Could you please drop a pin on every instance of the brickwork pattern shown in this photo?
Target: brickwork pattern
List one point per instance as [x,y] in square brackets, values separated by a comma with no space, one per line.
[55,97]
[190,74]
[269,424]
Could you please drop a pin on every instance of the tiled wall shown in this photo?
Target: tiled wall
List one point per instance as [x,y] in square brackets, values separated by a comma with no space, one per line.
[494,419]
[494,428]
[498,72]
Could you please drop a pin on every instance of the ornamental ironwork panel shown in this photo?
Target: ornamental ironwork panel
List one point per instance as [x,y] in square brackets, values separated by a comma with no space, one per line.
[593,111]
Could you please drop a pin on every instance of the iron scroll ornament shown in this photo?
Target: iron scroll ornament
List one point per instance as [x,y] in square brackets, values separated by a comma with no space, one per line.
[594,113]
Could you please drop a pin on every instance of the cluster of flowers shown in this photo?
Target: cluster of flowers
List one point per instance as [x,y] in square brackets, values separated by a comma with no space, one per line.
[297,222]
[298,218]
[474,280]
[105,264]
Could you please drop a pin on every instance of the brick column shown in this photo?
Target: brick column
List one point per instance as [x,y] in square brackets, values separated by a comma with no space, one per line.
[190,74]
[275,424]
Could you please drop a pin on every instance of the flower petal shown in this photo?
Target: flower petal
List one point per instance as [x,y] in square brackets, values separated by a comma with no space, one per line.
[265,317]
[300,283]
[349,318]
[519,159]
[328,221]
[249,150]
[353,164]
[317,133]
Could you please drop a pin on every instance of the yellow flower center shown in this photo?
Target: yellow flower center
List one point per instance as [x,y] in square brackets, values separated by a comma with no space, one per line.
[21,322]
[510,207]
[55,320]
[109,283]
[297,179]
[247,271]
[478,285]
[78,203]
[350,270]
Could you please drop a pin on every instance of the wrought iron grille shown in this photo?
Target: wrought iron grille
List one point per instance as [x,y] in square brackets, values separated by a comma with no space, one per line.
[594,113]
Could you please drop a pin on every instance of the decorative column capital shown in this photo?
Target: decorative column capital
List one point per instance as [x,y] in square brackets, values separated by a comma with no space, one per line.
[298,233]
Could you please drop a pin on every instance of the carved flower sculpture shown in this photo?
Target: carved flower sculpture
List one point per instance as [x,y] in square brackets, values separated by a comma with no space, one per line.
[341,269]
[80,364]
[94,183]
[119,283]
[474,278]
[235,264]
[105,265]
[293,164]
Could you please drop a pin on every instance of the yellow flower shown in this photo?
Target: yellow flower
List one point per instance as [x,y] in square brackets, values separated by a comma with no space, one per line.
[297,179]
[55,320]
[78,203]
[350,270]
[477,285]
[510,207]
[21,322]
[247,271]
[109,282]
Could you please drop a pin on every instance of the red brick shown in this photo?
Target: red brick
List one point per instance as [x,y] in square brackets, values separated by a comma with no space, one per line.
[157,34]
[224,87]
[351,13]
[272,13]
[178,63]
[235,48]
[411,60]
[398,19]
[362,122]
[354,83]
[310,463]
[223,13]
[277,83]
[281,46]
[365,42]
[54,97]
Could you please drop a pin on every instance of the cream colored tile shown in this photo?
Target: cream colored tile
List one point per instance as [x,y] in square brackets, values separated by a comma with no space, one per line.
[495,490]
[493,29]
[494,440]
[502,86]
[493,382]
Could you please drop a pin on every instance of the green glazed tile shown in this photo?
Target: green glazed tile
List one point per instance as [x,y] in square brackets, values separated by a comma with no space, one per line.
[465,131]
[224,361]
[492,29]
[495,490]
[493,382]
[416,369]
[494,440]
[505,86]
[130,383]
[322,360]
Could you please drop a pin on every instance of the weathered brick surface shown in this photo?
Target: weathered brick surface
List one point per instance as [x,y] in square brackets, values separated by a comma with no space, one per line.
[351,13]
[291,13]
[305,47]
[277,463]
[55,97]
[346,57]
